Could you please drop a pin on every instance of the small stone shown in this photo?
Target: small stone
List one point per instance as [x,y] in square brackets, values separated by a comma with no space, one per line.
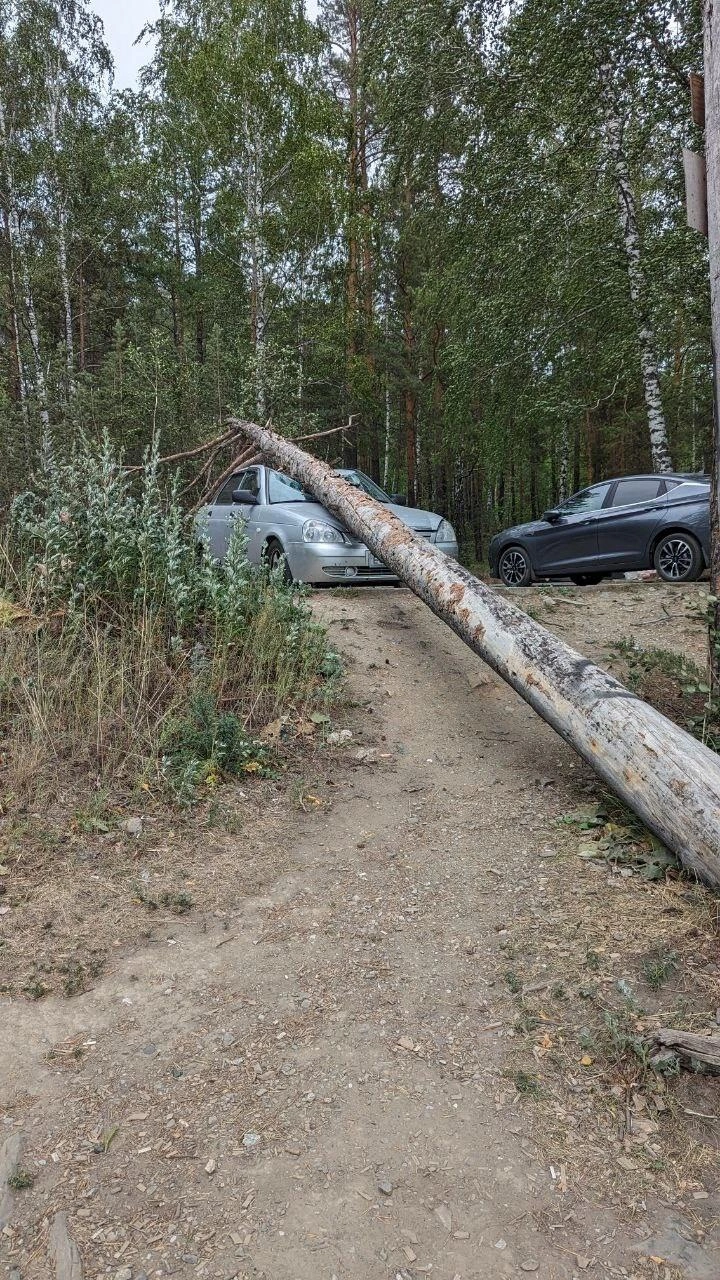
[132,826]
[251,1139]
[123,1274]
[500,1244]
[409,1253]
[210,1167]
[292,1149]
[530,1265]
[228,1040]
[150,1049]
[339,736]
[386,1186]
[444,1215]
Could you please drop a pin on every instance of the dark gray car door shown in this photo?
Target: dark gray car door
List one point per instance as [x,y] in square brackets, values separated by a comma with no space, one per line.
[626,527]
[569,545]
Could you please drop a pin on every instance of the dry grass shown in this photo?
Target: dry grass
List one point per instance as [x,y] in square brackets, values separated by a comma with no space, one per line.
[584,1018]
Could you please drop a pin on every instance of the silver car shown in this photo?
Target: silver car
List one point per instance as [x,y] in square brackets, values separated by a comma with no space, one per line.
[286,526]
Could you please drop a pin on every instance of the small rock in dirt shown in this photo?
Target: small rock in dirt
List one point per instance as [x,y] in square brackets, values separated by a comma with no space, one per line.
[251,1139]
[132,826]
[210,1167]
[123,1274]
[386,1186]
[339,736]
[444,1215]
[500,1244]
[149,1049]
[530,1265]
[228,1040]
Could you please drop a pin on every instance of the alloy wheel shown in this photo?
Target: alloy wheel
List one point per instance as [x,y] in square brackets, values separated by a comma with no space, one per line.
[513,568]
[676,559]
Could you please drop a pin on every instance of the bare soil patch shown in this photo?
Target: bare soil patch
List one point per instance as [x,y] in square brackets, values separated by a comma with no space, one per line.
[395,1034]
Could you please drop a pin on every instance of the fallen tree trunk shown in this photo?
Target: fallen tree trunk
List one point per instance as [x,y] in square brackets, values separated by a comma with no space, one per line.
[667,777]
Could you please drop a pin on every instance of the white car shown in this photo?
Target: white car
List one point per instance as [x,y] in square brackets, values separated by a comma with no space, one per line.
[286,526]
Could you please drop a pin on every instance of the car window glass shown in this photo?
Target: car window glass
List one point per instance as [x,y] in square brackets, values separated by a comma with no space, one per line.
[630,492]
[251,482]
[586,500]
[282,489]
[361,481]
[225,496]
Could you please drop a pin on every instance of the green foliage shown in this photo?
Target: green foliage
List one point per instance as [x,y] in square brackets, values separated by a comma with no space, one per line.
[204,743]
[142,660]
[412,219]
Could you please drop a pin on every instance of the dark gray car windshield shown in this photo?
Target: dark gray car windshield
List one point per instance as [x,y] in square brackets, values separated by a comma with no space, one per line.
[282,489]
[361,481]
[586,500]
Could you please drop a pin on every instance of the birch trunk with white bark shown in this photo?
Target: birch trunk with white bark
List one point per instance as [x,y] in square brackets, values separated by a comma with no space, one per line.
[17,243]
[629,225]
[53,111]
[667,777]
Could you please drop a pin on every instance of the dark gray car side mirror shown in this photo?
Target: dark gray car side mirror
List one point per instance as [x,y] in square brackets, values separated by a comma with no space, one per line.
[400,499]
[552,516]
[245,496]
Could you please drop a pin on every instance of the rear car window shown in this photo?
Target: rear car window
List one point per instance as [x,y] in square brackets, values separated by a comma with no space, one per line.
[630,492]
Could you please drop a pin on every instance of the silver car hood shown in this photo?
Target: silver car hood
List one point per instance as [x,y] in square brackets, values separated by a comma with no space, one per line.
[420,521]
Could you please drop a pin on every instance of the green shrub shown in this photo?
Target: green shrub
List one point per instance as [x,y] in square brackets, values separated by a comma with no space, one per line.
[125,651]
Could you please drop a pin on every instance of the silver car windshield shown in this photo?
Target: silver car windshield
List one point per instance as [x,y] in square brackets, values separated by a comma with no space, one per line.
[361,481]
[283,489]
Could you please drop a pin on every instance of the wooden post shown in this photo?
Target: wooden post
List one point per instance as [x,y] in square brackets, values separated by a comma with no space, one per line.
[711,38]
[667,777]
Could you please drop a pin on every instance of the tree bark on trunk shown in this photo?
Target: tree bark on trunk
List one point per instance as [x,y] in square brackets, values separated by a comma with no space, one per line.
[17,245]
[629,225]
[53,111]
[711,32]
[255,211]
[668,778]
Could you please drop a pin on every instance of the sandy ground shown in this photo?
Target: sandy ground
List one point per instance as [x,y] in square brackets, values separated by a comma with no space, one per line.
[321,1078]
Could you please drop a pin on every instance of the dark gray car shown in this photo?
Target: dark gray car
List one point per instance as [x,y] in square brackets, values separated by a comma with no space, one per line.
[637,522]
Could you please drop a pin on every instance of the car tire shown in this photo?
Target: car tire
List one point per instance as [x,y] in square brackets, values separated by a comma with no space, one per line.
[678,558]
[274,556]
[514,568]
[586,579]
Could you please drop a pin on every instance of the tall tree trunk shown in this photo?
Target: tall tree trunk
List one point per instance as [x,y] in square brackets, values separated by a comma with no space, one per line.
[352,280]
[17,246]
[629,225]
[178,319]
[711,33]
[18,389]
[258,285]
[53,111]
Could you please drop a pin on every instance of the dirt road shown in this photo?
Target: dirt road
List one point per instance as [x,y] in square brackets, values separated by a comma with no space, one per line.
[321,1080]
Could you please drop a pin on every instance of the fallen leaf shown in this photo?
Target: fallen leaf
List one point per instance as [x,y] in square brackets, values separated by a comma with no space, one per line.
[586,1061]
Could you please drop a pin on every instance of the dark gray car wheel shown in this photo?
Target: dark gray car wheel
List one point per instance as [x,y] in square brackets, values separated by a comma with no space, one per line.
[275,558]
[678,558]
[514,568]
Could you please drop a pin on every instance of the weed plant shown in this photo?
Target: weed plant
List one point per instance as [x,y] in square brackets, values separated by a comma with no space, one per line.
[128,654]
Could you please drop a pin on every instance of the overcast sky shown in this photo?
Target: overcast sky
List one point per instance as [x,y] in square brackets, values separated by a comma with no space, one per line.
[124,20]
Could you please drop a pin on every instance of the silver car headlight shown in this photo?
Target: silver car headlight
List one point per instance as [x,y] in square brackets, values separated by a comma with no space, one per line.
[445,532]
[319,531]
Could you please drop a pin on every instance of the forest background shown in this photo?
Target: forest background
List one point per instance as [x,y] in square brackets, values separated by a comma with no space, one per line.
[460,225]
